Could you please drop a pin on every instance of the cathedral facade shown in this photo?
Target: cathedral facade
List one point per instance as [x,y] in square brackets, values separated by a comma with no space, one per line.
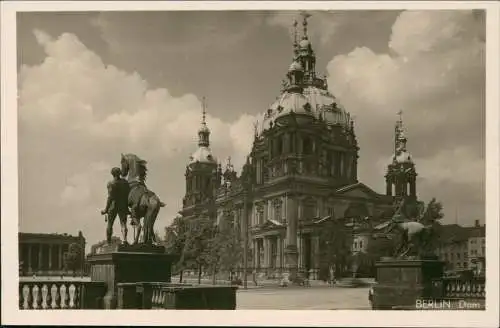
[302,172]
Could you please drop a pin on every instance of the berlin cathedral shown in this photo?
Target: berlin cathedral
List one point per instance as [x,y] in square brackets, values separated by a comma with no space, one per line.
[301,173]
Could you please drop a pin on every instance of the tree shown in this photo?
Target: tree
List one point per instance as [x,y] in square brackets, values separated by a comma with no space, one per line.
[226,249]
[197,246]
[335,246]
[73,258]
[175,240]
[431,217]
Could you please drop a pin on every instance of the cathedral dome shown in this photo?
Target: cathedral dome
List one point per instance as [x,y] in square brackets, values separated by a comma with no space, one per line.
[202,155]
[319,102]
[293,102]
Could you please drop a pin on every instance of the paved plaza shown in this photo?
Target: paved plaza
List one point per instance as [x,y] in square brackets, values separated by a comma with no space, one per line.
[272,297]
[303,298]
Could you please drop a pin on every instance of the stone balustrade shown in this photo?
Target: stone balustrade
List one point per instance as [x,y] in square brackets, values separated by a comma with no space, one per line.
[61,295]
[460,288]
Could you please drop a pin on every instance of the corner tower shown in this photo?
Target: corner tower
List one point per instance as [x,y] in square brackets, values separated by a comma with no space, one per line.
[401,174]
[202,174]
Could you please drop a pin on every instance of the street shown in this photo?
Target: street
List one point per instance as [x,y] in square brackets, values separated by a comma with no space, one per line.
[303,298]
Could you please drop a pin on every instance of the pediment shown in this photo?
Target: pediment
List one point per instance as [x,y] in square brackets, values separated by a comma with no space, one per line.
[358,190]
[271,224]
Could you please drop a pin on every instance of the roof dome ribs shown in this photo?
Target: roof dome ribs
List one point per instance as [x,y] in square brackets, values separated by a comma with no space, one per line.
[303,86]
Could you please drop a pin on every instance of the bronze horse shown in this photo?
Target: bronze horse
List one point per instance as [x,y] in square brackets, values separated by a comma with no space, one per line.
[414,234]
[143,202]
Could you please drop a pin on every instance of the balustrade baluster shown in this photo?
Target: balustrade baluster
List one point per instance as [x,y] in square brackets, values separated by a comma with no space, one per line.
[62,292]
[53,293]
[26,296]
[36,295]
[72,294]
[45,296]
[156,296]
[163,299]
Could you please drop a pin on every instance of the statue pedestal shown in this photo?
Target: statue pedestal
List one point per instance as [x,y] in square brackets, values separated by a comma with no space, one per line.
[400,282]
[129,263]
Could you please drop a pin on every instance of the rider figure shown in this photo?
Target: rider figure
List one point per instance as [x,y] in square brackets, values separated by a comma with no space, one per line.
[117,204]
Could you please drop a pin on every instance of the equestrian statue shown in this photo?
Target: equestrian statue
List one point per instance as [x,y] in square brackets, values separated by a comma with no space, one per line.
[128,194]
[415,236]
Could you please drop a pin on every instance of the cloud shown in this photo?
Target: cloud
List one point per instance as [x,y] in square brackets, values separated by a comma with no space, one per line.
[77,115]
[434,70]
[204,33]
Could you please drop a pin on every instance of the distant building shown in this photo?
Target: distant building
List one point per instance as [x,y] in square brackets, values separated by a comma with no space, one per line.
[461,247]
[477,246]
[43,253]
[94,249]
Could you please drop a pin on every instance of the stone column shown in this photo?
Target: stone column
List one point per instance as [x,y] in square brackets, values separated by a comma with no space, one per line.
[30,267]
[413,187]
[316,252]
[39,257]
[300,251]
[279,253]
[60,257]
[256,253]
[291,252]
[266,255]
[50,256]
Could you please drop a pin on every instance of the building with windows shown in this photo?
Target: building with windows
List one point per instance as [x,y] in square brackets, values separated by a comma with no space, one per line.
[462,248]
[302,171]
[476,242]
[43,253]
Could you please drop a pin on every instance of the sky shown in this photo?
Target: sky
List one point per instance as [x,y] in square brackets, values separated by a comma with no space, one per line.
[93,85]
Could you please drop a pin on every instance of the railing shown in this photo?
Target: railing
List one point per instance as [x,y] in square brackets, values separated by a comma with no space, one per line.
[473,288]
[50,295]
[153,295]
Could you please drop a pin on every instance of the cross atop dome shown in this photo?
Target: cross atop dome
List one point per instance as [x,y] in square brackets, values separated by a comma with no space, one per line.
[204,111]
[295,42]
[305,16]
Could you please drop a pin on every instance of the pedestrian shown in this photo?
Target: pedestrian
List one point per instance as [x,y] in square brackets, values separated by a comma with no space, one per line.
[331,279]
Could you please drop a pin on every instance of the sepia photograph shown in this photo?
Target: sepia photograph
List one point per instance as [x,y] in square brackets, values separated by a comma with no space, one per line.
[254,159]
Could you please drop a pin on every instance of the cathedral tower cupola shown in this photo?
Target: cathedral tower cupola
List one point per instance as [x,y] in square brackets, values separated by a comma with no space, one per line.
[401,174]
[306,53]
[203,154]
[204,131]
[201,175]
